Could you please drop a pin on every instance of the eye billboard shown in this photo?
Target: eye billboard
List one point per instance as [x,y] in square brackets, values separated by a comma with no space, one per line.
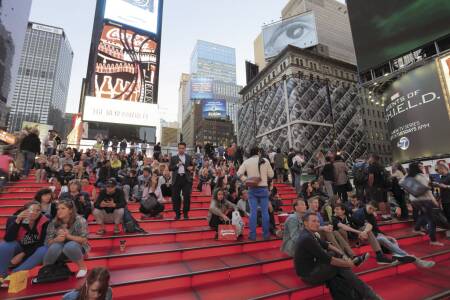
[139,14]
[124,79]
[299,31]
[417,116]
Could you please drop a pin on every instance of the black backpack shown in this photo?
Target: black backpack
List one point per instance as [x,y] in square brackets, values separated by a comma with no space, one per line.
[51,273]
[150,202]
[130,225]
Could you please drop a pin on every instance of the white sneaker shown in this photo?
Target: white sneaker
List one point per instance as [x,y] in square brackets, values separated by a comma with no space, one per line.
[81,273]
[424,263]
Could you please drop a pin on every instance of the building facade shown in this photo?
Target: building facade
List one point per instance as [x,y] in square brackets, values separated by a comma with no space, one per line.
[332,25]
[218,132]
[305,101]
[40,92]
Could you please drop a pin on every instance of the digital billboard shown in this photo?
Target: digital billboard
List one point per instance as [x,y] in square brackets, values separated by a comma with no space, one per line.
[201,88]
[417,116]
[140,14]
[385,29]
[299,31]
[214,109]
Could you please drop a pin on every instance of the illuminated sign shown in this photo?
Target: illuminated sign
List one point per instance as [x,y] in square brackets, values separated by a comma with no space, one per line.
[214,109]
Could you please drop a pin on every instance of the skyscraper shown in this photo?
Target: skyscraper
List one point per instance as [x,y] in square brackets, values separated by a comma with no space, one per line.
[42,84]
[209,60]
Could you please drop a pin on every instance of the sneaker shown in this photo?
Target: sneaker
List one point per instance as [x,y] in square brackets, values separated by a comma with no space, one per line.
[116,230]
[404,259]
[101,231]
[358,260]
[424,263]
[439,244]
[383,260]
[81,273]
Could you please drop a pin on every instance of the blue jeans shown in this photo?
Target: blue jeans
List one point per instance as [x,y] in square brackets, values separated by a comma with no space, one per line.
[390,245]
[10,249]
[259,197]
[72,250]
[28,161]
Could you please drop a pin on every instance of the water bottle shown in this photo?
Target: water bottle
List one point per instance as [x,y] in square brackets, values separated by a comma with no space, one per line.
[26,220]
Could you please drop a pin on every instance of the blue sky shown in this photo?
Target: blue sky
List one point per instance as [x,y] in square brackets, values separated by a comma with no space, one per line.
[234,23]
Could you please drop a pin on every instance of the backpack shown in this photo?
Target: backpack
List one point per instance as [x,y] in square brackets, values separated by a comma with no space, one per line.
[51,273]
[297,169]
[360,174]
[150,202]
[130,225]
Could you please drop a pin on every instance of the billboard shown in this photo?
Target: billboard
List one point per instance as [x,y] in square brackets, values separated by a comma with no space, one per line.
[201,88]
[139,14]
[214,109]
[299,31]
[417,116]
[445,76]
[385,29]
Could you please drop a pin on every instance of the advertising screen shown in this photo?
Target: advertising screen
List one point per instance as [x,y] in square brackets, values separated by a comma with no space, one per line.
[299,31]
[214,109]
[417,116]
[385,29]
[201,88]
[140,14]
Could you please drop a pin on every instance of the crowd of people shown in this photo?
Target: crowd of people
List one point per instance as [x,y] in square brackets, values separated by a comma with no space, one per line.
[330,214]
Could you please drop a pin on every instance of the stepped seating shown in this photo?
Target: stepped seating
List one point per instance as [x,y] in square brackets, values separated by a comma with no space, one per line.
[181,260]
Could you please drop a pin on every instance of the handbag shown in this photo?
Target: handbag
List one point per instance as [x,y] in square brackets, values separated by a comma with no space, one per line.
[413,186]
[227,232]
[236,220]
[439,218]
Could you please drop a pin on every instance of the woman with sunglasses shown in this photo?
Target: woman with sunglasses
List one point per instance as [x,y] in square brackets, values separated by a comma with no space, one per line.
[67,234]
[24,239]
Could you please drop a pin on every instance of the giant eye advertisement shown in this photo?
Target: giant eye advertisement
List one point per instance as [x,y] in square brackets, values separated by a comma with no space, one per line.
[417,116]
[140,14]
[125,78]
[299,31]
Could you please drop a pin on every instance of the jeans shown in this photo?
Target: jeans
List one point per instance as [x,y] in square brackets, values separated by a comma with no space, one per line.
[391,245]
[323,273]
[425,217]
[72,250]
[298,183]
[259,197]
[134,192]
[9,249]
[28,161]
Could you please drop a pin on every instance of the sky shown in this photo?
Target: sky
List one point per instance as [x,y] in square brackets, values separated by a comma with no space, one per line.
[233,23]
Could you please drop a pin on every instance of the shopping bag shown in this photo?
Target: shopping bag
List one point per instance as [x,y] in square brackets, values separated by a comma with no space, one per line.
[227,232]
[18,282]
[236,220]
[206,189]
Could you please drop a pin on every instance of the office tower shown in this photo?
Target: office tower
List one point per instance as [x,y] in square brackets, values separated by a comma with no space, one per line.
[40,92]
[13,24]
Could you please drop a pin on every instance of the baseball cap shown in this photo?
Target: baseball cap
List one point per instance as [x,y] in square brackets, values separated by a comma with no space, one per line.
[111,182]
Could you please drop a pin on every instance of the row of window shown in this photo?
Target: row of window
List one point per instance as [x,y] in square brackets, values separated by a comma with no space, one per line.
[375,124]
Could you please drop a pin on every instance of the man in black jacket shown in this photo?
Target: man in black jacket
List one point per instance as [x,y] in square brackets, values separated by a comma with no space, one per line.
[181,166]
[109,207]
[316,266]
[30,147]
[290,163]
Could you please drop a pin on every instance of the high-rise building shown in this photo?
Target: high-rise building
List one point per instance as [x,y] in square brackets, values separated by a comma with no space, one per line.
[13,24]
[210,60]
[332,25]
[42,84]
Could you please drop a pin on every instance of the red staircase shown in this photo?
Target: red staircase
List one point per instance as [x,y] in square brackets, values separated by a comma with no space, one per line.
[181,260]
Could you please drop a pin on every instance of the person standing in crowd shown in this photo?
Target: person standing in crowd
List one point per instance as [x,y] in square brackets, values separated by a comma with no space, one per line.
[114,144]
[259,170]
[290,163]
[49,143]
[67,234]
[424,203]
[24,239]
[110,207]
[144,147]
[98,145]
[398,172]
[328,177]
[182,167]
[157,151]
[315,265]
[30,147]
[340,178]
[292,227]
[444,185]
[123,145]
[360,173]
[96,287]
[278,162]
[106,143]
[297,164]
[376,191]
